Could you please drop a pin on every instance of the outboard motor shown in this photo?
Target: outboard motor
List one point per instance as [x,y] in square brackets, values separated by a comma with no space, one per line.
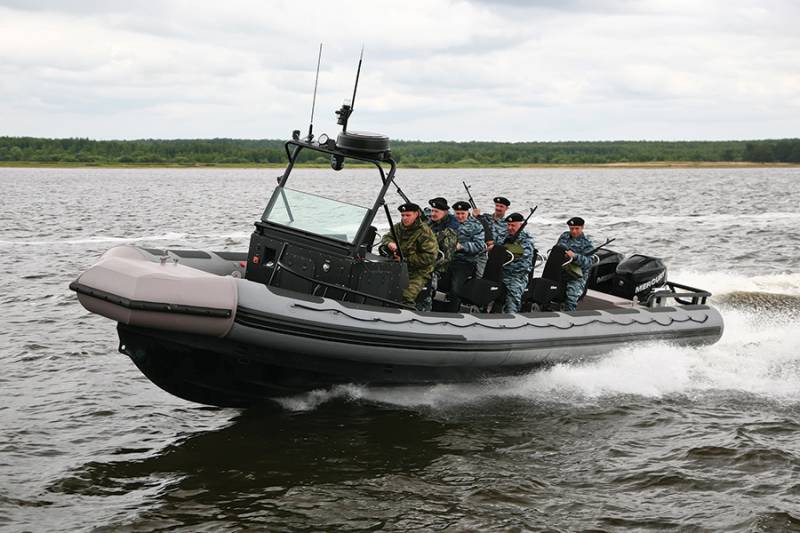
[638,276]
[601,275]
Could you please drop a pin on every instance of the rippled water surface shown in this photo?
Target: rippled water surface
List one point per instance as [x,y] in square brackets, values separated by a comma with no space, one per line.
[651,437]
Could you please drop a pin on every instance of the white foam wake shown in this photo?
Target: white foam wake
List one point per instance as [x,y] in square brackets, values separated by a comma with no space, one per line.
[726,282]
[753,357]
[98,239]
[108,239]
[648,219]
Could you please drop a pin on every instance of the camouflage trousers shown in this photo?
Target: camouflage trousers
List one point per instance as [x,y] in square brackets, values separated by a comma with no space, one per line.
[425,303]
[415,286]
[515,285]
[574,291]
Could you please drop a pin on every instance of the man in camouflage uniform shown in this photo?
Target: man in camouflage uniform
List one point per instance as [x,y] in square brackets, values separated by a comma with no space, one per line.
[578,247]
[494,227]
[418,247]
[471,244]
[515,273]
[445,228]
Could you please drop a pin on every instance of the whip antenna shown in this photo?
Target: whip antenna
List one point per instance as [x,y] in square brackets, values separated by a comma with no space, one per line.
[358,73]
[347,107]
[314,100]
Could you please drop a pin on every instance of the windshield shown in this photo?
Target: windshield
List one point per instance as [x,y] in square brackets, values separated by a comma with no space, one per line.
[315,214]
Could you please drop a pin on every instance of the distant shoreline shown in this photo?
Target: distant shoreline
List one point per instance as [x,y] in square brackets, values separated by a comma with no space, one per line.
[654,165]
[271,153]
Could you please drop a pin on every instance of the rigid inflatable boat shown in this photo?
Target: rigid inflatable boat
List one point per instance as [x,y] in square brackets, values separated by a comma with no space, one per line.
[310,305]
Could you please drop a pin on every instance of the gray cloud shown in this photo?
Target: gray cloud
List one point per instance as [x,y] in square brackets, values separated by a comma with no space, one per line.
[507,70]
[74,6]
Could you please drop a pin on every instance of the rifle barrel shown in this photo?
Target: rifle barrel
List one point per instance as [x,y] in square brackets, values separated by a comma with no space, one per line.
[406,200]
[528,217]
[513,238]
[595,249]
[401,193]
[469,194]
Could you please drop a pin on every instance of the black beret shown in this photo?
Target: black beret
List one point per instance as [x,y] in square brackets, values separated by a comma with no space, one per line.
[439,203]
[515,217]
[501,200]
[461,206]
[575,221]
[410,206]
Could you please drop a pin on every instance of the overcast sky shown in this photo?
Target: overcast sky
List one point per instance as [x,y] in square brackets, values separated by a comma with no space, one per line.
[513,70]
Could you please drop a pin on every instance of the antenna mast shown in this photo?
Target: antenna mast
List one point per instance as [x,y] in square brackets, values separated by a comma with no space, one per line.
[358,74]
[314,101]
[347,107]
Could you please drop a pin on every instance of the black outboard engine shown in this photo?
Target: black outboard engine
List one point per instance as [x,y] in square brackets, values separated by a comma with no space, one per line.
[601,275]
[638,276]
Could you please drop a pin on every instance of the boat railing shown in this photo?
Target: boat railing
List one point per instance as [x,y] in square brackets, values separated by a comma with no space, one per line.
[688,296]
[321,288]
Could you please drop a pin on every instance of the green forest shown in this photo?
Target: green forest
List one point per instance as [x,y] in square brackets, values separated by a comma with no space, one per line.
[243,152]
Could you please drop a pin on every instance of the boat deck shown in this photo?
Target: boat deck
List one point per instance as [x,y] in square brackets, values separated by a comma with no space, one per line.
[598,300]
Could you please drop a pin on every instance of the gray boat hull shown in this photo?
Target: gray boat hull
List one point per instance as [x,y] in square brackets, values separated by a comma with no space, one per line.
[235,342]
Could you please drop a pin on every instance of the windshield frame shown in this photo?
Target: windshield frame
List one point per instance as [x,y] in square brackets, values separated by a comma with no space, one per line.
[293,148]
[279,194]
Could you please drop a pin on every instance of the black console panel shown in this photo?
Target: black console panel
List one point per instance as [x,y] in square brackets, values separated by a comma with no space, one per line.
[313,265]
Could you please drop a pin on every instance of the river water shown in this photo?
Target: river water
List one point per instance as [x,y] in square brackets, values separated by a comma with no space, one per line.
[650,437]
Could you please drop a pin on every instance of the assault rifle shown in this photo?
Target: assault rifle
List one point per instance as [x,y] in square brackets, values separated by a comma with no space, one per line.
[406,200]
[574,270]
[469,194]
[487,226]
[513,238]
[389,217]
[597,248]
[509,244]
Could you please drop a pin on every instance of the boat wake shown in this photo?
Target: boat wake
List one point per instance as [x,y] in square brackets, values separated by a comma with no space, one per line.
[723,284]
[758,355]
[676,220]
[186,240]
[98,239]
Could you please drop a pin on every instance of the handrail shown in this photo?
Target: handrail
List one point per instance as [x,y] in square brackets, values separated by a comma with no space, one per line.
[697,296]
[144,305]
[279,264]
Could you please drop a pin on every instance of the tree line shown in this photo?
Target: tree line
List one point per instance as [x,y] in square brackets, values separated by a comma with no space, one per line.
[407,153]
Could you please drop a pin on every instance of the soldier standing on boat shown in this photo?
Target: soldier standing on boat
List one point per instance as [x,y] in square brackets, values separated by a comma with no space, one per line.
[515,273]
[470,245]
[578,247]
[418,248]
[445,228]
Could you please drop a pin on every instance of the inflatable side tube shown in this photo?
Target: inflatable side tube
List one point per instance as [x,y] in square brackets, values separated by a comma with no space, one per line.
[126,286]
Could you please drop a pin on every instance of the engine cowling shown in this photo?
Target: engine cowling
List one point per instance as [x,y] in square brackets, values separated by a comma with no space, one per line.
[638,276]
